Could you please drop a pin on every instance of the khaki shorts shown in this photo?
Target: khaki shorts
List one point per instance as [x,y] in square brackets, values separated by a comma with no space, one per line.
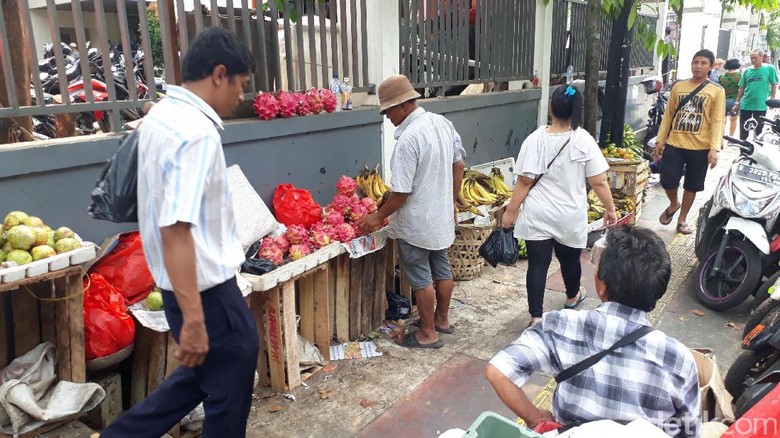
[422,266]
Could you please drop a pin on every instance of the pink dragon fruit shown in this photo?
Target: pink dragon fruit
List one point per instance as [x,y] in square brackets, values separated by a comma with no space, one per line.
[341,203]
[315,101]
[299,251]
[329,100]
[333,217]
[357,212]
[288,104]
[303,108]
[320,238]
[369,204]
[345,232]
[282,243]
[346,185]
[273,253]
[265,106]
[297,235]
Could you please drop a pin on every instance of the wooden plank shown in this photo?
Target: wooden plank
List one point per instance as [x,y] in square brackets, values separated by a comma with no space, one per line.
[40,278]
[27,331]
[257,306]
[380,281]
[158,350]
[332,294]
[273,309]
[75,305]
[367,294]
[290,336]
[322,333]
[306,309]
[342,298]
[355,290]
[171,363]
[47,311]
[139,368]
[62,324]
[7,329]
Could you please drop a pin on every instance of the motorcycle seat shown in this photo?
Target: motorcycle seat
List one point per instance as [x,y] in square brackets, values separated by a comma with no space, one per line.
[773,103]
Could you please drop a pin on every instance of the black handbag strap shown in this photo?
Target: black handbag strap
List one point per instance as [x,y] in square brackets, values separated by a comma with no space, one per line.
[536,180]
[592,360]
[690,96]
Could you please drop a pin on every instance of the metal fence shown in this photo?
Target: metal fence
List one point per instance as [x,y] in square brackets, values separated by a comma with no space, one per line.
[441,44]
[298,44]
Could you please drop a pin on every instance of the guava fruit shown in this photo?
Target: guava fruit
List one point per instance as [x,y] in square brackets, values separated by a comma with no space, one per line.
[63,233]
[42,252]
[21,237]
[19,256]
[14,218]
[66,244]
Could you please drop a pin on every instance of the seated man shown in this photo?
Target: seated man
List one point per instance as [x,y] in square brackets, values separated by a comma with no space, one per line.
[653,378]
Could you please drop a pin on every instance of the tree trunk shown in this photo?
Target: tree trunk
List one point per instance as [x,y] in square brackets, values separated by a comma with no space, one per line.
[592,58]
[617,79]
[18,44]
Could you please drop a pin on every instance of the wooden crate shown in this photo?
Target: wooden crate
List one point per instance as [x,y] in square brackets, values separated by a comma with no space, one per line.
[49,307]
[275,313]
[629,179]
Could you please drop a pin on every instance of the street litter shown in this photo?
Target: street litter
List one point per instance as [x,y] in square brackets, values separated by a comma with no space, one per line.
[354,350]
[289,396]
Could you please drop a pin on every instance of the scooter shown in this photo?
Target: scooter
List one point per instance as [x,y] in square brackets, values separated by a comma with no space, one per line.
[654,86]
[737,240]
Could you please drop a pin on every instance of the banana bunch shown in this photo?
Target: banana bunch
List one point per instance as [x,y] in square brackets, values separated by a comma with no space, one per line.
[596,208]
[623,204]
[496,182]
[371,183]
[479,189]
[522,249]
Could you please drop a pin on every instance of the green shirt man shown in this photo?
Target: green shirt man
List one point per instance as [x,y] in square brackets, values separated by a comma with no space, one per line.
[757,84]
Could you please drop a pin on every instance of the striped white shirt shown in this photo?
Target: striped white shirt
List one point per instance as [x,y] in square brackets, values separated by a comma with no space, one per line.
[182,177]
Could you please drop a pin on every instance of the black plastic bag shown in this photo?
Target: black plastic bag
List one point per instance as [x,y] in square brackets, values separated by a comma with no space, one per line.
[255,265]
[500,247]
[398,307]
[115,197]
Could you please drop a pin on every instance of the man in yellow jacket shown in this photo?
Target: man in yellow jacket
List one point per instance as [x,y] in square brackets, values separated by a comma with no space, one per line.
[690,137]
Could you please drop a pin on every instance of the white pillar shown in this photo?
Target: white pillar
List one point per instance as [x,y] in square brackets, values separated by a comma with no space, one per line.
[383,61]
[543,55]
[660,32]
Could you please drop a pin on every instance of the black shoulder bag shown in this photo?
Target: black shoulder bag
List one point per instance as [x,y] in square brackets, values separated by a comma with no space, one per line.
[536,180]
[592,360]
[690,96]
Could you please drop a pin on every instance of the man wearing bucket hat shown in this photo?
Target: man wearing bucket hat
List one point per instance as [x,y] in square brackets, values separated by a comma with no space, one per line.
[427,170]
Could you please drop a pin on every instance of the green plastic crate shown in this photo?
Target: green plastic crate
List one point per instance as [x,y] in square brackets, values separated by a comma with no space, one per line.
[492,425]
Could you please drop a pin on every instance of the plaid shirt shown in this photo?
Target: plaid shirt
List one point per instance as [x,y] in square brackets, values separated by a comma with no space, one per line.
[654,378]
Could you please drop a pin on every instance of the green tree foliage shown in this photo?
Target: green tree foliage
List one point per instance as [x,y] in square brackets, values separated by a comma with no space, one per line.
[155,36]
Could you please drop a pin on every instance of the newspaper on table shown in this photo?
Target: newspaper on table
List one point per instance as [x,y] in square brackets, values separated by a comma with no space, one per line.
[367,244]
[353,350]
[155,319]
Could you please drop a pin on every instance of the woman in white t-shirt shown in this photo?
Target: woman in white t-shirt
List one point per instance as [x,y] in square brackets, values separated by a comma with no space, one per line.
[553,166]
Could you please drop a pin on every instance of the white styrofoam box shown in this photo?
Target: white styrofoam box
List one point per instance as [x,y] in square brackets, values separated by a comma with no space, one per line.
[505,165]
[57,262]
[596,225]
[37,268]
[253,218]
[10,275]
[261,283]
[87,252]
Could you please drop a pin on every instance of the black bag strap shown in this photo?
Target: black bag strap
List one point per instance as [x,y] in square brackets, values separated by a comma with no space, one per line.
[592,360]
[690,96]
[536,180]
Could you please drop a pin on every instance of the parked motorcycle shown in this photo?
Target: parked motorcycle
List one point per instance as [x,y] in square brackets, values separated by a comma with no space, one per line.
[735,227]
[654,86]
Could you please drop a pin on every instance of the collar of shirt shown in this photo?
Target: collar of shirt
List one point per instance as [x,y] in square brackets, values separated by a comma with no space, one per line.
[187,96]
[622,311]
[405,124]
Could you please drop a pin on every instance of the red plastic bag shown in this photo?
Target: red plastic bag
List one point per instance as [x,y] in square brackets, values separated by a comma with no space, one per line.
[295,206]
[107,326]
[125,268]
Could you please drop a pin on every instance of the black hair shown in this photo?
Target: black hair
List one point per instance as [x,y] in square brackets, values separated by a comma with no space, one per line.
[732,64]
[566,103]
[213,47]
[635,267]
[704,53]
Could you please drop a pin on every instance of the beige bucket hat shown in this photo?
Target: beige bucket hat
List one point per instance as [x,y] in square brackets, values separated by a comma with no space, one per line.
[395,90]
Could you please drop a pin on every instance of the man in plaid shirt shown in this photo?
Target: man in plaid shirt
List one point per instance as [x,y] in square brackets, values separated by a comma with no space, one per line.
[653,378]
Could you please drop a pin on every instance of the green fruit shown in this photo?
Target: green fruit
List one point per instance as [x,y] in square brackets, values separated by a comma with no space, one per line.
[154,301]
[19,256]
[2,256]
[51,242]
[42,252]
[63,233]
[21,237]
[14,218]
[2,235]
[66,244]
[42,236]
[7,247]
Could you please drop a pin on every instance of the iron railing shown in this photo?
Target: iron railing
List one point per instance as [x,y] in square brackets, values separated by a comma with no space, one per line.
[298,44]
[441,47]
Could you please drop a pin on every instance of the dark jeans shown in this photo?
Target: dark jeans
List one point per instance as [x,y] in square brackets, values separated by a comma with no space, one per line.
[539,258]
[224,382]
[744,116]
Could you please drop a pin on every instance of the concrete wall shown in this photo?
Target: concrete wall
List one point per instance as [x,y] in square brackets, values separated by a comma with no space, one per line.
[42,32]
[699,30]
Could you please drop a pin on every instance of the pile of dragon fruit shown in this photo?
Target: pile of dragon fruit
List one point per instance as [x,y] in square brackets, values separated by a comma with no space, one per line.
[286,104]
[339,224]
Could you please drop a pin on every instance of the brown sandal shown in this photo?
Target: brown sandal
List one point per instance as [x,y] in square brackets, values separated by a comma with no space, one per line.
[684,228]
[666,216]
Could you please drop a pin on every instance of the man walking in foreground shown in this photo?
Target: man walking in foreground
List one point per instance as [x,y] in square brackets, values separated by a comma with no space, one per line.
[690,137]
[427,170]
[192,247]
[754,90]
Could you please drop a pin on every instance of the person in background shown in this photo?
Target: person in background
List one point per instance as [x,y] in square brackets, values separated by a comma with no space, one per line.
[730,83]
[716,68]
[653,378]
[690,138]
[191,245]
[758,83]
[554,165]
[665,64]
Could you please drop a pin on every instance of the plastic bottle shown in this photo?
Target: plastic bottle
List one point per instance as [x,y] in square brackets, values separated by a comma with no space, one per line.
[569,75]
[346,95]
[335,88]
[536,79]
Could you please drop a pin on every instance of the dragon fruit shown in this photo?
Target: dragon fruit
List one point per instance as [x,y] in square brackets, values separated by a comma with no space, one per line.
[282,243]
[303,108]
[273,253]
[288,104]
[346,185]
[299,251]
[333,217]
[345,232]
[341,203]
[315,101]
[265,106]
[329,100]
[357,212]
[320,238]
[369,204]
[297,235]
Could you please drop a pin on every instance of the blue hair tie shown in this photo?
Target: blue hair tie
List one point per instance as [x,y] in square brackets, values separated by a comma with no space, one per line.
[570,91]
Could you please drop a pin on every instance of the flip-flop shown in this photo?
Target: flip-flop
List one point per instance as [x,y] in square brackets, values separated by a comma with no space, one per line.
[666,216]
[447,331]
[410,341]
[583,295]
[684,228]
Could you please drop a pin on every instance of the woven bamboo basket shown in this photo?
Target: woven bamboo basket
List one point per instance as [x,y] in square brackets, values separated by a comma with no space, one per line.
[465,260]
